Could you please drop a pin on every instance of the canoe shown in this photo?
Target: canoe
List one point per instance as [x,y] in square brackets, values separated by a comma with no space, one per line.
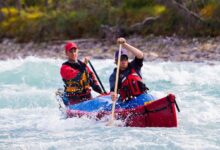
[141,111]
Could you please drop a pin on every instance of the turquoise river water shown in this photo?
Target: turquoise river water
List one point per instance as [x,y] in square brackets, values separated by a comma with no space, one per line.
[30,118]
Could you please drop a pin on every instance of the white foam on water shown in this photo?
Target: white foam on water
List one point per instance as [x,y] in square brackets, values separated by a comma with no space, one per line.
[184,73]
[30,119]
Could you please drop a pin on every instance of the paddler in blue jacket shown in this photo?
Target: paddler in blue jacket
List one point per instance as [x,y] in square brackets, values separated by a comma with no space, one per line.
[130,84]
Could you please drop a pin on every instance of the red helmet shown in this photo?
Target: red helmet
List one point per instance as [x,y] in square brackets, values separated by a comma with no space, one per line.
[70,45]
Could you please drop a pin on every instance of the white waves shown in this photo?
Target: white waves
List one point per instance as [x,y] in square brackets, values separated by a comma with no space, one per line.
[185,73]
[29,116]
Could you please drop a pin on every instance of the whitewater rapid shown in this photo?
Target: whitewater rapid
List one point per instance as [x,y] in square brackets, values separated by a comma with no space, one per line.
[30,118]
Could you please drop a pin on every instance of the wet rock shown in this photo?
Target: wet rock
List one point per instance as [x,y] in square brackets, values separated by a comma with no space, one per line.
[172,48]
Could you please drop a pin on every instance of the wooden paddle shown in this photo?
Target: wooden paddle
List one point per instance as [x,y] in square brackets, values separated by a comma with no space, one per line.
[116,86]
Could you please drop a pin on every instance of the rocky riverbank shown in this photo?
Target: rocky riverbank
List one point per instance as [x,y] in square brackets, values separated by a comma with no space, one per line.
[155,48]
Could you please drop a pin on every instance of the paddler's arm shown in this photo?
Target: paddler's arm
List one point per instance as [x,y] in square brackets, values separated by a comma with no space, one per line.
[67,72]
[93,82]
[114,95]
[138,53]
[97,89]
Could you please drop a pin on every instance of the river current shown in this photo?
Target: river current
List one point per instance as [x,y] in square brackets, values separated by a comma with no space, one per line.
[30,118]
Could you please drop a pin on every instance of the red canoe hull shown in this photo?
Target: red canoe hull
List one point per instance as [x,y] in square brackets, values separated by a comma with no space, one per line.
[159,113]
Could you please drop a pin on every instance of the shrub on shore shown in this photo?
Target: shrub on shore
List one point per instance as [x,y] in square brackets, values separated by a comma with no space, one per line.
[54,20]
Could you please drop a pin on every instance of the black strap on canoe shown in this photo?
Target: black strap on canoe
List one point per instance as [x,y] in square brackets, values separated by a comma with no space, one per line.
[155,110]
[177,107]
[168,99]
[163,108]
[146,111]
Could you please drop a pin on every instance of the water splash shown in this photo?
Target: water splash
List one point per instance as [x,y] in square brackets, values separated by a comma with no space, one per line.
[30,119]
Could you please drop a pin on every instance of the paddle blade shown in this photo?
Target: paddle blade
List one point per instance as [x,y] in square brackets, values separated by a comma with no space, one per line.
[110,123]
[116,123]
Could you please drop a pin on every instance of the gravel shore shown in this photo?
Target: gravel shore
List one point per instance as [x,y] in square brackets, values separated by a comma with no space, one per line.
[155,48]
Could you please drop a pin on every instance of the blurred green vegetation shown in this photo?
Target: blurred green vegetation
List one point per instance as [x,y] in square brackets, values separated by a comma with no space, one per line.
[43,20]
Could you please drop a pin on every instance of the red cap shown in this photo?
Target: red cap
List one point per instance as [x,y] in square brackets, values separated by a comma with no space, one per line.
[70,45]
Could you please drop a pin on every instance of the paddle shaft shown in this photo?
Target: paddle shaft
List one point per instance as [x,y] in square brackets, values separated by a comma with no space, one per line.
[116,82]
[97,77]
